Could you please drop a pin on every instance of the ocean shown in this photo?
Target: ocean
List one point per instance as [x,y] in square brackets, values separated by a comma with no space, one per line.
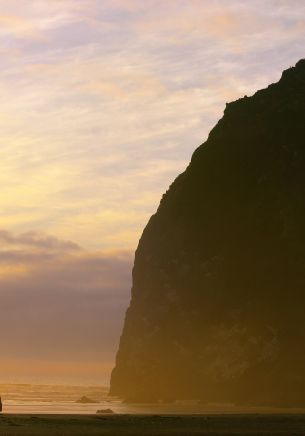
[28,398]
[62,399]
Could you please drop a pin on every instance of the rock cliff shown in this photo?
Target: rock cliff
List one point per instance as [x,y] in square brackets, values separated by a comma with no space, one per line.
[218,298]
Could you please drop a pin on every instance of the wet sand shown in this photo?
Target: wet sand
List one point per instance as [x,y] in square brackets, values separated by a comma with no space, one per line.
[151,425]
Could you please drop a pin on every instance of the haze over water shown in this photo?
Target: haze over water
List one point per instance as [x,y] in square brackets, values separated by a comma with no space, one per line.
[62,399]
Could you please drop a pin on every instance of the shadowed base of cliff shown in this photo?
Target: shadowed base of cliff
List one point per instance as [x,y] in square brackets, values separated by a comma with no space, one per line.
[153,425]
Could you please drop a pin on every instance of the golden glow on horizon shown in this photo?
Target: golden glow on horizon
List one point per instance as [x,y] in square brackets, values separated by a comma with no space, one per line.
[12,271]
[54,371]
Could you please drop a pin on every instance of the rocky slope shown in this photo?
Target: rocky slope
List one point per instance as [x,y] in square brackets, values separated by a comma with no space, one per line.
[218,299]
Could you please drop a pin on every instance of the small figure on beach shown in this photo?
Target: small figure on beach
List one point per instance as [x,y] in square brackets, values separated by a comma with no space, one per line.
[0,405]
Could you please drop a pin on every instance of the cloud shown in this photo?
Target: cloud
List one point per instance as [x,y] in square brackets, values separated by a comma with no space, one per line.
[13,25]
[61,304]
[106,108]
[34,240]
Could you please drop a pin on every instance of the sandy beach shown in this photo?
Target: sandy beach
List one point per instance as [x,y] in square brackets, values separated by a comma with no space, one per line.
[152,425]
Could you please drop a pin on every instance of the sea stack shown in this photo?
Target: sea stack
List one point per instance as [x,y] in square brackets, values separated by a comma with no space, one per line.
[218,299]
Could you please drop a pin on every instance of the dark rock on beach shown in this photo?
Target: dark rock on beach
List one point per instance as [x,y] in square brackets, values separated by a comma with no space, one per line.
[105,412]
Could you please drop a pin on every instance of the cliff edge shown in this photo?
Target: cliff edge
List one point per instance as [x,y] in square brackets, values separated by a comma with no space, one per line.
[218,299]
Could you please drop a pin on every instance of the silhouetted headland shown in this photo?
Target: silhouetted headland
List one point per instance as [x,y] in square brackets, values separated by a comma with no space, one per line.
[218,296]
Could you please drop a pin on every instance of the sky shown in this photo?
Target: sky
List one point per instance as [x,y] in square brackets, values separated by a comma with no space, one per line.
[102,103]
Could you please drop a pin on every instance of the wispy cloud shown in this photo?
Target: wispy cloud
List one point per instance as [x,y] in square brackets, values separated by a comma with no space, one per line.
[34,240]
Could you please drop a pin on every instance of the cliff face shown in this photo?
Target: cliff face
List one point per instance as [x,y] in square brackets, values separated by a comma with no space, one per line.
[218,298]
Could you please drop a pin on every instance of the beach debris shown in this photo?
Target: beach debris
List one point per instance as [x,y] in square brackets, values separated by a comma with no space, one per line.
[86,400]
[105,411]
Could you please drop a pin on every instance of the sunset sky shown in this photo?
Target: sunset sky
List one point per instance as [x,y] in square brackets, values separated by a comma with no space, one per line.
[102,104]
